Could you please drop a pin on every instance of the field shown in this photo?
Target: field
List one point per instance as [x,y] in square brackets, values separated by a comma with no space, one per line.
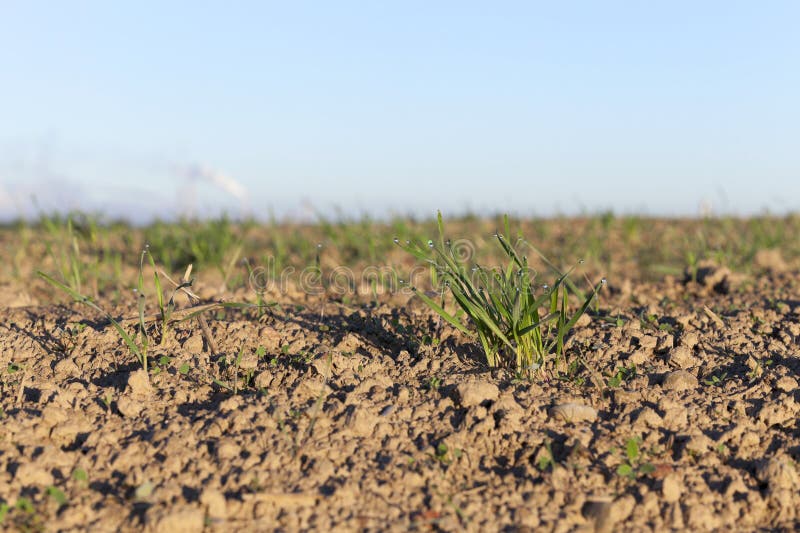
[318,390]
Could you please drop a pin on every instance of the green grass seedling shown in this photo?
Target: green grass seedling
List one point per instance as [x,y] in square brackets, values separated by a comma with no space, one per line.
[139,342]
[519,327]
[138,349]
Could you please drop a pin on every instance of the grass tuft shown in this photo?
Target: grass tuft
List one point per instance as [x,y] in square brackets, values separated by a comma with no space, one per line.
[520,326]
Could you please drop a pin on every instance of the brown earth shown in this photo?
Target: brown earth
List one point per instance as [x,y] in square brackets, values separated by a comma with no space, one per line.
[677,409]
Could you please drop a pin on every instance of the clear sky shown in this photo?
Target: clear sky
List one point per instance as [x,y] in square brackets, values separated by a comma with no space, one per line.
[164,108]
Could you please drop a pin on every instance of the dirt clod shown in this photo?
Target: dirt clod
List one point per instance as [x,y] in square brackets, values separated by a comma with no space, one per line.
[129,407]
[679,380]
[672,488]
[194,344]
[778,473]
[682,357]
[474,393]
[181,520]
[573,412]
[214,502]
[139,384]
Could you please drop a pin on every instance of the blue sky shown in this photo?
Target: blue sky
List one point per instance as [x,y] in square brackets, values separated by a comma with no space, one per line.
[168,108]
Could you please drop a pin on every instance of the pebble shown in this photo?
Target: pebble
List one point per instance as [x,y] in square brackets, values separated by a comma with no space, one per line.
[574,412]
[679,380]
[474,393]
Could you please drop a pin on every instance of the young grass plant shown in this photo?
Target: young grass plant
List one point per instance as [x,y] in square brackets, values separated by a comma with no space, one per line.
[138,349]
[139,342]
[64,248]
[519,326]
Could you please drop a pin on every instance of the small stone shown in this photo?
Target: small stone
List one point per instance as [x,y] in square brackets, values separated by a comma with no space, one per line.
[474,393]
[679,380]
[194,344]
[574,412]
[139,384]
[681,357]
[181,520]
[215,503]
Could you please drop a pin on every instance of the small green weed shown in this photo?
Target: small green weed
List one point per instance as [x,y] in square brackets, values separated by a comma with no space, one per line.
[622,374]
[57,495]
[546,459]
[80,476]
[716,380]
[433,383]
[444,455]
[633,466]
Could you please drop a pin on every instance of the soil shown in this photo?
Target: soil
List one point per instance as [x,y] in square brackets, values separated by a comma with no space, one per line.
[677,408]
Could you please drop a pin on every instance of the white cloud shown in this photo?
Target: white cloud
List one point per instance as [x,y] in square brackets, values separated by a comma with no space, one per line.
[202,173]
